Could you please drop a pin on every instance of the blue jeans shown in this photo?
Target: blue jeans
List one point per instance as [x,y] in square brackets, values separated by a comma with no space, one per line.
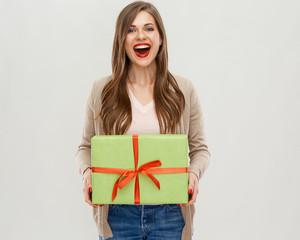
[145,222]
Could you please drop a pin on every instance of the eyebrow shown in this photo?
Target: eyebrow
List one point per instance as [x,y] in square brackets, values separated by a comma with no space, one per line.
[144,25]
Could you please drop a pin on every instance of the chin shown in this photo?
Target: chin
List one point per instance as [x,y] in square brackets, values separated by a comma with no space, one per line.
[143,63]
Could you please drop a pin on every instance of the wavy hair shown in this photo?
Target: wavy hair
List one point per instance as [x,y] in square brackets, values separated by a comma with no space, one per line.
[115,111]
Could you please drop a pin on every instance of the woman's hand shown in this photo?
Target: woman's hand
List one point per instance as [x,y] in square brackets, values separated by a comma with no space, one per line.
[193,189]
[87,187]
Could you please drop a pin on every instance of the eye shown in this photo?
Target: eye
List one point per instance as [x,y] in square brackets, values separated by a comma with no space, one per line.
[149,29]
[131,30]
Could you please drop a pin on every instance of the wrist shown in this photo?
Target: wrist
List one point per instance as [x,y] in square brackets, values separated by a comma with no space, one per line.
[195,175]
[87,170]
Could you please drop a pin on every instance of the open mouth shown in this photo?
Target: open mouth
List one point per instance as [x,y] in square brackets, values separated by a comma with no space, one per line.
[142,49]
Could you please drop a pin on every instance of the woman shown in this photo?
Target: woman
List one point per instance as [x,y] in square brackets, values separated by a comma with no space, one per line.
[143,97]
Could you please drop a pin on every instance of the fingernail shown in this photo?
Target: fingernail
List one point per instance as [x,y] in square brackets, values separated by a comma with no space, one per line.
[90,189]
[190,191]
[94,207]
[100,205]
[178,204]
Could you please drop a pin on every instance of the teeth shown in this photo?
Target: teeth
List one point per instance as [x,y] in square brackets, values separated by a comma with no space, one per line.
[142,47]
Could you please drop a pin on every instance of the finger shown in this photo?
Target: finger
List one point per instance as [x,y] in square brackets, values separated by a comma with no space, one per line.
[190,191]
[88,195]
[191,183]
[88,188]
[193,196]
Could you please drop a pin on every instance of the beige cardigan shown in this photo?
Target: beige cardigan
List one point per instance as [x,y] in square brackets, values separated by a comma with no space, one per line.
[191,123]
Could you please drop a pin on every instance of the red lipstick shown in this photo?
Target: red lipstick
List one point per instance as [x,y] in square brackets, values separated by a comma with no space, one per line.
[142,50]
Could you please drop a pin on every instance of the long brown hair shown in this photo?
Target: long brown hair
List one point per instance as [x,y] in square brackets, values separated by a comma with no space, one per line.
[115,112]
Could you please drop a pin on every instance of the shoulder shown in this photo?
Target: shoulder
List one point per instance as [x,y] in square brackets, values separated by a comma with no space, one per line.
[185,84]
[188,89]
[99,84]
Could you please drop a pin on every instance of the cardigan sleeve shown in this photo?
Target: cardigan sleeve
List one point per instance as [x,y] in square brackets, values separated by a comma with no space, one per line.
[198,150]
[83,155]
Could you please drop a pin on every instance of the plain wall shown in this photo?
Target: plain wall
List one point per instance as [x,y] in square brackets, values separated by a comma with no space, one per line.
[242,56]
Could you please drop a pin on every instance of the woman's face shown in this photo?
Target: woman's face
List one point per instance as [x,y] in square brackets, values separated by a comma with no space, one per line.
[142,40]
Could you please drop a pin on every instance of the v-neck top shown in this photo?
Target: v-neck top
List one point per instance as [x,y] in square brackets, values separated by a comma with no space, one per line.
[144,118]
[137,103]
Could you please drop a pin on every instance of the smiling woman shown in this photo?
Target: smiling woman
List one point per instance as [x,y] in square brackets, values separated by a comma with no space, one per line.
[142,40]
[143,97]
[145,72]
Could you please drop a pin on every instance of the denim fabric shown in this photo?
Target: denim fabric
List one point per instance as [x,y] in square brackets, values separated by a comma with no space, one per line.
[145,222]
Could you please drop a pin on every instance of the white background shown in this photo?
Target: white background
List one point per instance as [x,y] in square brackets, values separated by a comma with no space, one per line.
[243,57]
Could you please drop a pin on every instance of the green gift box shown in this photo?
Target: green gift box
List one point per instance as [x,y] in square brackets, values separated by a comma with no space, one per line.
[139,169]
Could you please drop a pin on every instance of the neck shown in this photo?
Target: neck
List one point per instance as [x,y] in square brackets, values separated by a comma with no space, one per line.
[142,75]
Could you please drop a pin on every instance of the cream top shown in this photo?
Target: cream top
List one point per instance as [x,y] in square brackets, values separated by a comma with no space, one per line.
[144,119]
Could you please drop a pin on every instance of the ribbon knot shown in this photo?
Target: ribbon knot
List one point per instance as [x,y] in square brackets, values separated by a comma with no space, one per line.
[128,175]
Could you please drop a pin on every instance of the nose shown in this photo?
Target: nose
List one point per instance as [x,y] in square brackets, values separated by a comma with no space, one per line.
[141,35]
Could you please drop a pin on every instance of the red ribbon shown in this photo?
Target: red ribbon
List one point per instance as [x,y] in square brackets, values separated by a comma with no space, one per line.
[128,175]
